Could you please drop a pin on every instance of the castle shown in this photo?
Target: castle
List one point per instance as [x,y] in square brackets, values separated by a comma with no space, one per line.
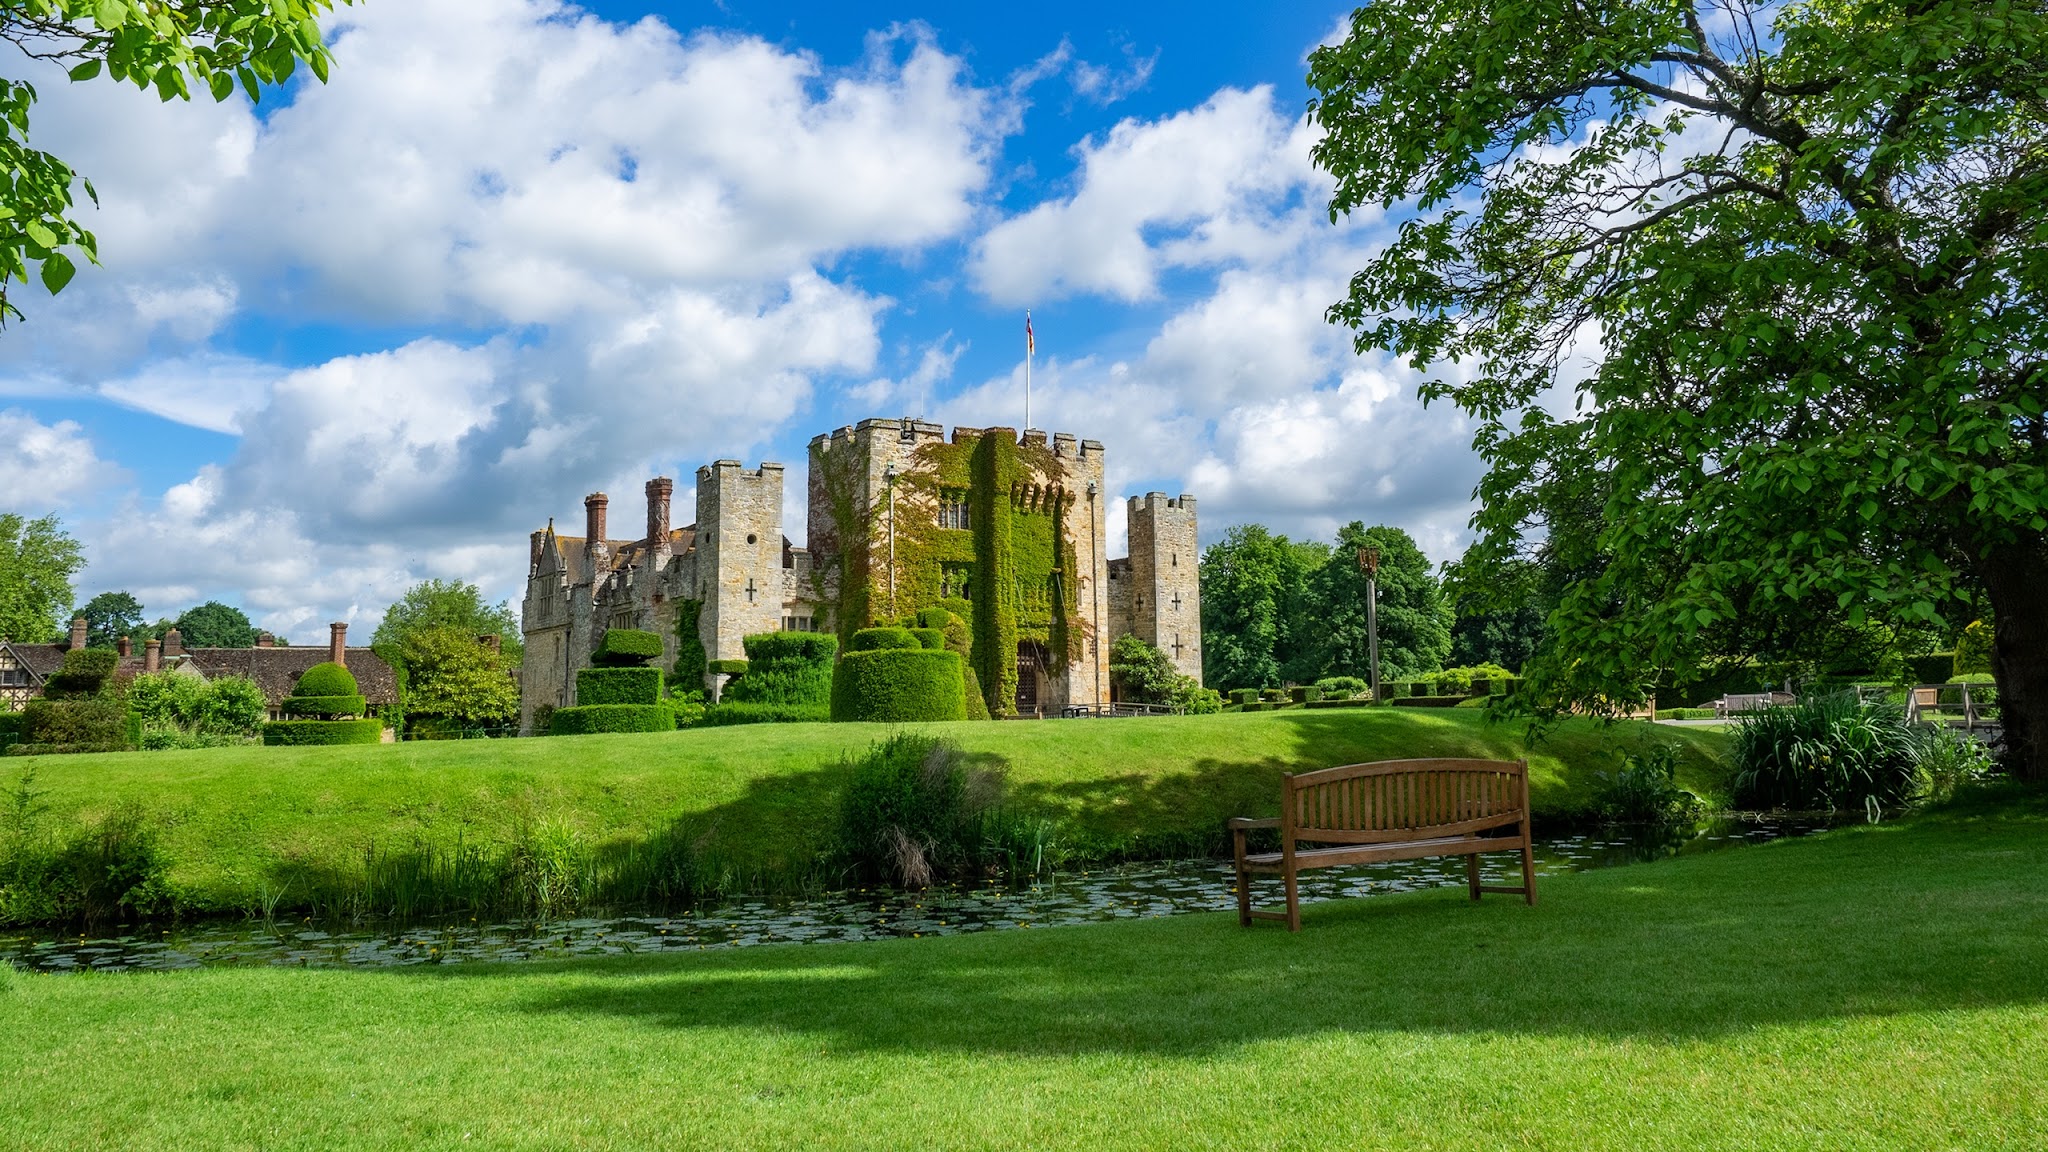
[1007,532]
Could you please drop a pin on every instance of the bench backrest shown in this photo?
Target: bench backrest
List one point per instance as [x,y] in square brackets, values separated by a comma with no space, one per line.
[1403,800]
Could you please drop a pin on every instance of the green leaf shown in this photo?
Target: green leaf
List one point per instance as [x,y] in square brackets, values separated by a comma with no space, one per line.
[86,71]
[40,233]
[57,272]
[110,14]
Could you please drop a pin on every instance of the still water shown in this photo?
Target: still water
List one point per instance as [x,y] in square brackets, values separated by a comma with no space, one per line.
[1123,892]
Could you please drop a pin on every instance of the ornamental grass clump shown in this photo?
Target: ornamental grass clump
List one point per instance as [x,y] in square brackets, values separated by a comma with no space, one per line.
[1829,753]
[1644,790]
[915,811]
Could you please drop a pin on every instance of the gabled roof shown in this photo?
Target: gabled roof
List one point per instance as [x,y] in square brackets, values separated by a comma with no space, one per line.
[277,670]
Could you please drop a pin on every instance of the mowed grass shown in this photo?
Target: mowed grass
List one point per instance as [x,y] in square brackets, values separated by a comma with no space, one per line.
[1875,988]
[763,799]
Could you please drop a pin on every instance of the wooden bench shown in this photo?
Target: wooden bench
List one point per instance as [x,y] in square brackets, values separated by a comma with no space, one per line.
[1392,810]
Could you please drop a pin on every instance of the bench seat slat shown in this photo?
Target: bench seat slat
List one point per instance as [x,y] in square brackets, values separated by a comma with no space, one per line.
[1378,853]
[1383,835]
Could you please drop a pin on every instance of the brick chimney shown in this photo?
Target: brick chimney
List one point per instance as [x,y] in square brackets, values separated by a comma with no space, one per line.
[593,519]
[337,643]
[152,655]
[174,644]
[659,490]
[77,633]
[124,646]
[266,640]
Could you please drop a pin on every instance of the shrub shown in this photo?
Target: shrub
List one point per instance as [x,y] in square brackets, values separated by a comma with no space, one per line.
[1194,700]
[970,683]
[913,812]
[10,729]
[1948,759]
[100,721]
[1829,752]
[1140,672]
[328,679]
[303,732]
[897,685]
[636,685]
[84,674]
[1973,649]
[331,706]
[727,712]
[933,639]
[1645,790]
[625,648]
[934,618]
[234,706]
[449,675]
[1242,696]
[1933,668]
[880,639]
[726,667]
[786,668]
[1458,681]
[1340,687]
[586,719]
[1686,714]
[1303,693]
[689,669]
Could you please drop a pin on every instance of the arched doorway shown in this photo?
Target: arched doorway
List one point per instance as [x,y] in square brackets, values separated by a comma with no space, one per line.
[1032,670]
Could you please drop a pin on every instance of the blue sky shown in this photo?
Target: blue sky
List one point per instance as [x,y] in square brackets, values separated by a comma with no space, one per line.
[516,251]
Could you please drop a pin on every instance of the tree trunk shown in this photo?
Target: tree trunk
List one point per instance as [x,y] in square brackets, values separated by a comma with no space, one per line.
[2015,576]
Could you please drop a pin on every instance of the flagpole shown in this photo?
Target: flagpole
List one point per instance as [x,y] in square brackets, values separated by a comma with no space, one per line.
[1030,346]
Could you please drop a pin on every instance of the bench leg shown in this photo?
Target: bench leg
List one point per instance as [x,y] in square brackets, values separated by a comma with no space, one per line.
[1472,875]
[1244,898]
[1528,873]
[1293,903]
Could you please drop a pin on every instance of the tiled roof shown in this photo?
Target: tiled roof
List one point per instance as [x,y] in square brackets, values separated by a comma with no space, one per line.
[275,670]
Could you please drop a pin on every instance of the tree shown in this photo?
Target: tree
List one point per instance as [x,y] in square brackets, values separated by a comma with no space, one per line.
[110,616]
[450,604]
[168,45]
[450,675]
[1256,613]
[37,561]
[1414,620]
[215,625]
[1813,255]
[1142,673]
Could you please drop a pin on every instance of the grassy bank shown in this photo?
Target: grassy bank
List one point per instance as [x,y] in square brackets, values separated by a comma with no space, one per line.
[747,807]
[1877,988]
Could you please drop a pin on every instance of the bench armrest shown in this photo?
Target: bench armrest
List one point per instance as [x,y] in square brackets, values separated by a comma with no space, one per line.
[1238,822]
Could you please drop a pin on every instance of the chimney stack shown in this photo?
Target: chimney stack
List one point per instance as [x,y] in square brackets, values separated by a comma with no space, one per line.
[77,633]
[152,655]
[593,519]
[337,644]
[659,490]
[266,640]
[174,644]
[124,646]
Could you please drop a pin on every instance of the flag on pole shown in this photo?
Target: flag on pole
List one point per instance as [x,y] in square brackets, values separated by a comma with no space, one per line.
[1030,345]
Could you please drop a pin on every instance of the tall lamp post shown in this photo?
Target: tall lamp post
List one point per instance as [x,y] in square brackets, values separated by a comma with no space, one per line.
[1369,566]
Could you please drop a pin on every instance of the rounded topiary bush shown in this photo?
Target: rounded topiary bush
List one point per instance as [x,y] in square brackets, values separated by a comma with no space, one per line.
[326,679]
[625,647]
[932,638]
[895,685]
[881,639]
[324,706]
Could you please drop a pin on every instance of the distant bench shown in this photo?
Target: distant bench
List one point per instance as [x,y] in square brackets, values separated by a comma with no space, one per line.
[1391,810]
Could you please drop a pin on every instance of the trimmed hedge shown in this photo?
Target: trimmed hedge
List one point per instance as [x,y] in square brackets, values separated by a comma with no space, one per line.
[726,667]
[84,674]
[897,685]
[300,732]
[779,647]
[102,719]
[626,647]
[933,639]
[1242,696]
[749,712]
[1303,693]
[326,679]
[1686,714]
[586,719]
[1933,668]
[977,708]
[1426,701]
[935,618]
[1339,702]
[636,685]
[882,639]
[324,706]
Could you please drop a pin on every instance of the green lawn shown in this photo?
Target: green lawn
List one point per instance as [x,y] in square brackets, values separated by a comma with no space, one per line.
[1875,988]
[760,800]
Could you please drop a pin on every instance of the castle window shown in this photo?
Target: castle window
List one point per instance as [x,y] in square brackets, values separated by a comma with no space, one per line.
[797,624]
[956,580]
[953,509]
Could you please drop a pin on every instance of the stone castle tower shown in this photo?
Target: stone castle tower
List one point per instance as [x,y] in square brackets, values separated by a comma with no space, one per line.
[1006,531]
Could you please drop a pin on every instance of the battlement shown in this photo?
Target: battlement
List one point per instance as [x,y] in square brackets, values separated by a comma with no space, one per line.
[1156,502]
[733,469]
[912,430]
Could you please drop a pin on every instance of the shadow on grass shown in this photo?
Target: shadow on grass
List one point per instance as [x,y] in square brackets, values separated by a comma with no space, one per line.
[1872,922]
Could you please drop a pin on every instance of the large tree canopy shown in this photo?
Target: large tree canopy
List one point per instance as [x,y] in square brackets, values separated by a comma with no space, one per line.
[1805,245]
[110,616]
[450,604]
[215,625]
[170,46]
[37,561]
[1256,612]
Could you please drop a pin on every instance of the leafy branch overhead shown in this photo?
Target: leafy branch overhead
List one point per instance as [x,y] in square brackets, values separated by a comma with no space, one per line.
[171,46]
[1790,260]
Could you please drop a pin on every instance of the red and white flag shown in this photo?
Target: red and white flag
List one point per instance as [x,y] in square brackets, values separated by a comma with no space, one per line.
[1030,346]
